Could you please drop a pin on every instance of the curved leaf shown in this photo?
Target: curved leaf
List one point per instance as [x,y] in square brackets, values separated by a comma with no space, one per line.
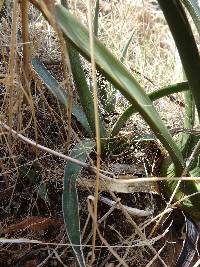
[186,143]
[85,95]
[55,88]
[188,51]
[186,45]
[194,10]
[70,199]
[121,79]
[125,49]
[190,245]
[165,91]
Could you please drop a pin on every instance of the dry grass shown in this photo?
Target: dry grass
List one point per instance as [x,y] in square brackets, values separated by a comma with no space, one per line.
[27,174]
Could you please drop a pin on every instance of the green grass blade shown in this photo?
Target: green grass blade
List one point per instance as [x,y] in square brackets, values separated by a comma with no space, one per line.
[186,45]
[165,91]
[121,79]
[85,95]
[96,18]
[70,198]
[55,88]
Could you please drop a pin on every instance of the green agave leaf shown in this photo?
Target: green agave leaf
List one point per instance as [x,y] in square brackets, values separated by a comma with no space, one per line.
[85,95]
[70,198]
[108,94]
[188,51]
[190,244]
[55,88]
[121,79]
[165,91]
[194,10]
[125,49]
[186,45]
[183,142]
[186,143]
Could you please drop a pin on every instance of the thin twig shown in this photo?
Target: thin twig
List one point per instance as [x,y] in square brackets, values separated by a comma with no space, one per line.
[46,149]
[197,263]
[114,253]
[130,210]
[26,40]
[139,231]
[184,173]
[103,218]
[154,258]
[107,179]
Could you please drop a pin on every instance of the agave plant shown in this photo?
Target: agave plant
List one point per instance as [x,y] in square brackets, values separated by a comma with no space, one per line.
[182,153]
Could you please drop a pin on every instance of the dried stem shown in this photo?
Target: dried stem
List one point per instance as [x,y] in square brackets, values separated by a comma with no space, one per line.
[26,45]
[97,127]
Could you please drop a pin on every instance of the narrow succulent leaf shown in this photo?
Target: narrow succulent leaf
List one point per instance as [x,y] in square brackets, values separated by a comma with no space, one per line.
[186,143]
[70,198]
[121,79]
[190,244]
[125,49]
[189,119]
[55,88]
[186,45]
[83,90]
[96,18]
[188,51]
[109,93]
[194,10]
[184,140]
[82,87]
[165,91]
